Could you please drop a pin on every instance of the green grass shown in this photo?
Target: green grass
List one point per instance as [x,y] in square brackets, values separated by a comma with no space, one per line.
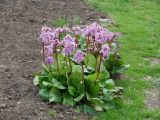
[139,23]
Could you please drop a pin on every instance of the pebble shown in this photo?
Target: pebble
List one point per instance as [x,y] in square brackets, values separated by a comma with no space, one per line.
[105,20]
[74,118]
[2,106]
[6,69]
[61,115]
[41,108]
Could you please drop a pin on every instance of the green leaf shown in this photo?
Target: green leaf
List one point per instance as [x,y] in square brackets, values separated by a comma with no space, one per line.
[58,84]
[107,97]
[88,109]
[72,91]
[92,87]
[44,93]
[114,47]
[77,110]
[82,42]
[45,68]
[108,106]
[54,95]
[90,60]
[120,69]
[75,80]
[61,57]
[52,113]
[98,108]
[36,80]
[109,83]
[77,68]
[68,100]
[62,68]
[47,84]
[96,101]
[79,98]
[89,70]
[103,75]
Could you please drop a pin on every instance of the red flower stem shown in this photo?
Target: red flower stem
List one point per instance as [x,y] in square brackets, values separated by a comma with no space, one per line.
[59,35]
[99,68]
[76,41]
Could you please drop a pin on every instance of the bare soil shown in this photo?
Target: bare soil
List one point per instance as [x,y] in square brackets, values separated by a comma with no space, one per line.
[20,21]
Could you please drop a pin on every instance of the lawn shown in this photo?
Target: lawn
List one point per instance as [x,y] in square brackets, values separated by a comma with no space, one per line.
[139,23]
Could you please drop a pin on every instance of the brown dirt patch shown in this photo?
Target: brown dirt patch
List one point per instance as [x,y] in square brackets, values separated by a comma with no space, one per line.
[153,98]
[20,21]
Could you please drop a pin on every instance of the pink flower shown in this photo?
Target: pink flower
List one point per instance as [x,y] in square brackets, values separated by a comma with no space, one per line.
[69,45]
[49,60]
[94,28]
[69,48]
[79,56]
[105,51]
[48,50]
[101,37]
[112,35]
[77,30]
[68,39]
[47,35]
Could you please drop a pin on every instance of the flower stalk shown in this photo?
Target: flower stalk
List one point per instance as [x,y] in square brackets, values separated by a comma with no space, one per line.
[99,67]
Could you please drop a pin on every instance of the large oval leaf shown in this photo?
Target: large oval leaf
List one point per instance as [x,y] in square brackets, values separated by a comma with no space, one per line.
[79,98]
[92,87]
[75,80]
[90,60]
[68,100]
[44,93]
[58,84]
[109,84]
[54,95]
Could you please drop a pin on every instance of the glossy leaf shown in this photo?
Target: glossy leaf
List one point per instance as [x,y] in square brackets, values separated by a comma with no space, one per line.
[90,60]
[72,91]
[54,95]
[58,84]
[44,93]
[79,98]
[36,80]
[109,83]
[120,69]
[68,100]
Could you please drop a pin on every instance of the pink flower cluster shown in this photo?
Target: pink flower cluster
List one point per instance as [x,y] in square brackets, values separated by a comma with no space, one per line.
[79,56]
[97,40]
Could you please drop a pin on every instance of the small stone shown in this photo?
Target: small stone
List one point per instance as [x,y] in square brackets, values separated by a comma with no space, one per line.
[104,20]
[74,118]
[61,115]
[41,108]
[18,102]
[9,97]
[2,106]
[6,70]
[5,98]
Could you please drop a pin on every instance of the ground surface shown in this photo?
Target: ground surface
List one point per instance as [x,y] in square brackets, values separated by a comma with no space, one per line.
[20,21]
[139,23]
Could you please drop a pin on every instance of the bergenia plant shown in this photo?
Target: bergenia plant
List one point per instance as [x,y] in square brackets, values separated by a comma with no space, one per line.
[78,66]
